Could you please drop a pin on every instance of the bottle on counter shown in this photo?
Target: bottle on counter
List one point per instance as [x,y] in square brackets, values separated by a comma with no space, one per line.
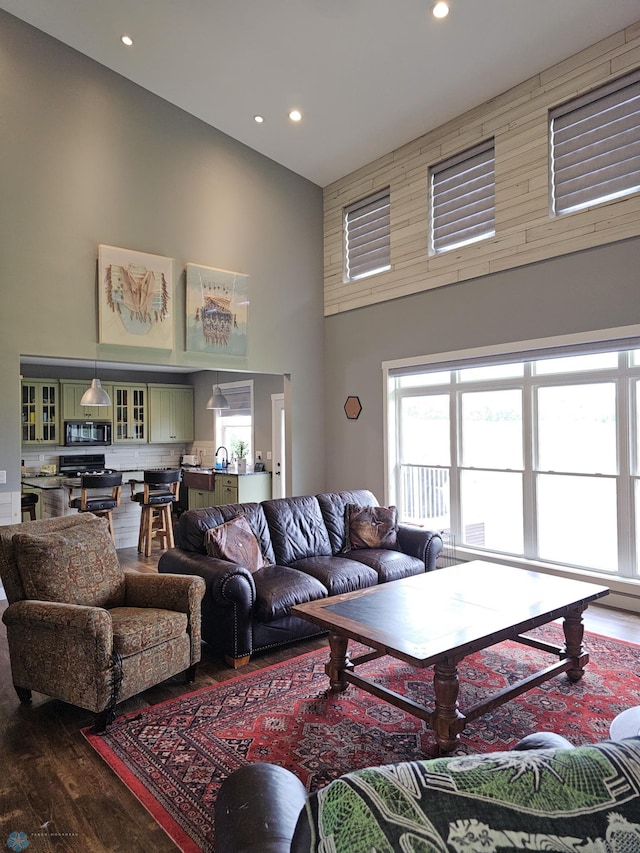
[23,470]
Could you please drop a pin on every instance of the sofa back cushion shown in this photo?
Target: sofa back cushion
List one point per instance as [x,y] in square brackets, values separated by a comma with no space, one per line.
[77,565]
[297,529]
[333,507]
[8,564]
[193,525]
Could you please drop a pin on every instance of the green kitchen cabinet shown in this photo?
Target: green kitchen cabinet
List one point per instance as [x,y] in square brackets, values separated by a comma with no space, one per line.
[130,412]
[73,410]
[40,415]
[171,417]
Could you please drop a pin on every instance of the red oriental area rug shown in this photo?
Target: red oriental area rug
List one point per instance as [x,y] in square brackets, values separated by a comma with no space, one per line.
[175,755]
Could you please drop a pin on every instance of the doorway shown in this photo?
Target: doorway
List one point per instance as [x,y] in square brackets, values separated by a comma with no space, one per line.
[278,450]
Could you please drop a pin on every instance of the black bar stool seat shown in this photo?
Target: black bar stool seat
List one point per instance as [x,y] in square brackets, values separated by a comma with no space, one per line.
[28,503]
[98,504]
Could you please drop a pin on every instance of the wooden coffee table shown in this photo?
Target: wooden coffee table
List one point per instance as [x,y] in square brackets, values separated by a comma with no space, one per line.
[438,618]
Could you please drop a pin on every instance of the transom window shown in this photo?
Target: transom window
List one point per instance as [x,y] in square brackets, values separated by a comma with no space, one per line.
[463,198]
[367,236]
[538,459]
[595,146]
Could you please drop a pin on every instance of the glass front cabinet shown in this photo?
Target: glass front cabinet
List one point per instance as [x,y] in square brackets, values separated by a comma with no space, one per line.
[40,411]
[129,412]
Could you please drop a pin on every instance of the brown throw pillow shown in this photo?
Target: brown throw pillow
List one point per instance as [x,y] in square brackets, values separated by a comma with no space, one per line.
[77,565]
[235,541]
[371,527]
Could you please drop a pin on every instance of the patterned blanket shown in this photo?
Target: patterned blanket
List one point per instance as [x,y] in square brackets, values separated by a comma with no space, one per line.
[584,800]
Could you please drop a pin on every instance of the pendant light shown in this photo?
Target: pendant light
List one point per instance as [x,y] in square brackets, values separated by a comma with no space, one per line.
[95,395]
[217,400]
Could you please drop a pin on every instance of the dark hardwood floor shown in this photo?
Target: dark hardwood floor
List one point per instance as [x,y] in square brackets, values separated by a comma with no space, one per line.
[54,787]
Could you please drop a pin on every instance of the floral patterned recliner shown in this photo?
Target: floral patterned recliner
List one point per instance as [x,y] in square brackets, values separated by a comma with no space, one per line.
[81,629]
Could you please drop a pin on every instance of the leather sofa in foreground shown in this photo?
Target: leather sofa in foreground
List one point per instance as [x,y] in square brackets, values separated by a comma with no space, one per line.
[543,795]
[289,551]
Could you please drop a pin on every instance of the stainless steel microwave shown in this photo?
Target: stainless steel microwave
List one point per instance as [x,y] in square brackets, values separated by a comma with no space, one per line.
[87,433]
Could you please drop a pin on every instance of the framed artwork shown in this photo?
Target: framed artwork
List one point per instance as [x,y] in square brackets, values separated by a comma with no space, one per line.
[217,307]
[135,297]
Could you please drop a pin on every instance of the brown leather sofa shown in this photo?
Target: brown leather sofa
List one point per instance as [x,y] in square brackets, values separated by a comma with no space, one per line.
[303,540]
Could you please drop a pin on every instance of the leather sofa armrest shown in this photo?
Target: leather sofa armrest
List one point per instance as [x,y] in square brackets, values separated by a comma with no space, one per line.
[427,545]
[215,573]
[257,808]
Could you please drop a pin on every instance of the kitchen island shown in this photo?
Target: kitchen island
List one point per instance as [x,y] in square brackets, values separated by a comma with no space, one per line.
[53,494]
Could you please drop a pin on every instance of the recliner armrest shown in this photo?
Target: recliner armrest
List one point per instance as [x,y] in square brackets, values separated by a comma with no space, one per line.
[166,591]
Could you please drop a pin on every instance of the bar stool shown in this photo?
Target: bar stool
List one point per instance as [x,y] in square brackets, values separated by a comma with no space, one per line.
[28,503]
[161,490]
[102,504]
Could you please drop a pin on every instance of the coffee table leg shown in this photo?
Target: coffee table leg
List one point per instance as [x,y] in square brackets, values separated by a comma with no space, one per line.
[446,720]
[573,627]
[338,662]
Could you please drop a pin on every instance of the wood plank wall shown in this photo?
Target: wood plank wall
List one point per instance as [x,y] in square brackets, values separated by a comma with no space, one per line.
[525,230]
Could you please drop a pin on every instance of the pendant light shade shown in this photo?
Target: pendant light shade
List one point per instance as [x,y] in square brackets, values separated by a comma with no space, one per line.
[95,395]
[217,400]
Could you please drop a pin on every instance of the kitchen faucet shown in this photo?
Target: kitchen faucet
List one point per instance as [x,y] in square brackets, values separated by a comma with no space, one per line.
[225,463]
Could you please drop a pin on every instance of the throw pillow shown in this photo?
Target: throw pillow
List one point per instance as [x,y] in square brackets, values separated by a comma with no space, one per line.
[78,565]
[235,541]
[371,527]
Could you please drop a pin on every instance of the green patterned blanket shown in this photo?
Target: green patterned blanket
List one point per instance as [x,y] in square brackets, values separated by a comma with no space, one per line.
[584,800]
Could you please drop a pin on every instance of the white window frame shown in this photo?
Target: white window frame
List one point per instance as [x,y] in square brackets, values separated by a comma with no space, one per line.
[367,236]
[627,571]
[462,199]
[223,430]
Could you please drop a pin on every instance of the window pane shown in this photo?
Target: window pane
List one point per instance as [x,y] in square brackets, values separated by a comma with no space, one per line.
[574,363]
[424,497]
[570,509]
[424,430]
[492,429]
[491,503]
[577,428]
[493,371]
[417,380]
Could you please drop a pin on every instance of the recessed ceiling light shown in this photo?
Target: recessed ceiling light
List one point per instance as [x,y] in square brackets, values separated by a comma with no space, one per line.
[295,115]
[441,9]
[127,40]
[258,119]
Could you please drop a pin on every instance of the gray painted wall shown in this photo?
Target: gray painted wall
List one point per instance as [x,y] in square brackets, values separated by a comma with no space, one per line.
[591,290]
[90,158]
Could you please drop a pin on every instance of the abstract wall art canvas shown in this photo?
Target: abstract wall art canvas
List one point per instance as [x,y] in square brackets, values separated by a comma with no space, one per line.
[135,298]
[217,308]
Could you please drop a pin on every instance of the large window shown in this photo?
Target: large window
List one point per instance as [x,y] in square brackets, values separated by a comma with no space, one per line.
[235,424]
[595,146]
[538,459]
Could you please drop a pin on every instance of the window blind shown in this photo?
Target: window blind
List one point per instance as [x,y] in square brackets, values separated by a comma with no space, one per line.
[595,145]
[463,198]
[367,228]
[239,396]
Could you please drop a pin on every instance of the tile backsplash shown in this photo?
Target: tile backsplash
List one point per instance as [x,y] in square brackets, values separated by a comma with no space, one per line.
[120,457]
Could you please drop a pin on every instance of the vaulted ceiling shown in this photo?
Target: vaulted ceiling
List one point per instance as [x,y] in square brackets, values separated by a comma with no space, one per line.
[367,75]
